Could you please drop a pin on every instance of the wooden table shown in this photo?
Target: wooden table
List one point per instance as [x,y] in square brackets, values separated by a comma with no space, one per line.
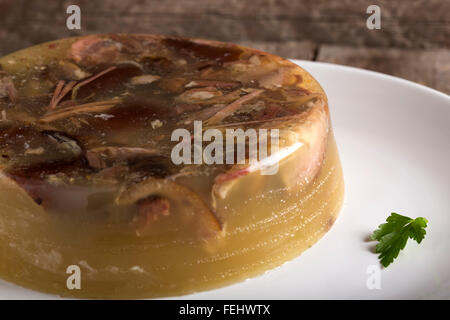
[413,42]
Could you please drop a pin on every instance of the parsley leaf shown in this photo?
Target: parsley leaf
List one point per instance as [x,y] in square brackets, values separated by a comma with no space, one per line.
[393,235]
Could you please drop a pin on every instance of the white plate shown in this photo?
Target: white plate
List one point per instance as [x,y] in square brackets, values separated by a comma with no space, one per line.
[393,138]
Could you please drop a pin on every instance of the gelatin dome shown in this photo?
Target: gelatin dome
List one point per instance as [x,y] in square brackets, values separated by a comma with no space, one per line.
[104,165]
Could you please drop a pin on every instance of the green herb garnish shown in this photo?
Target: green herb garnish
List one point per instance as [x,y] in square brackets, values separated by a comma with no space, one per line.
[393,235]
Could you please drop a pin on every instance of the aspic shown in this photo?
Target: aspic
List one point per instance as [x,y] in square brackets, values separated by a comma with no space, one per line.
[90,131]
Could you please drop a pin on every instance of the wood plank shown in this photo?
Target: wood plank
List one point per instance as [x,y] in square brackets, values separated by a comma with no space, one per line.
[428,67]
[288,49]
[405,23]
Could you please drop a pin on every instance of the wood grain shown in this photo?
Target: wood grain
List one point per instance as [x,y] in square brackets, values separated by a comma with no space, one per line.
[291,28]
[428,67]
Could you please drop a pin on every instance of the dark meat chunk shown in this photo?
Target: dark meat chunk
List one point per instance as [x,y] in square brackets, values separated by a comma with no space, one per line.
[207,222]
[112,79]
[199,50]
[24,145]
[103,157]
[7,88]
[151,209]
